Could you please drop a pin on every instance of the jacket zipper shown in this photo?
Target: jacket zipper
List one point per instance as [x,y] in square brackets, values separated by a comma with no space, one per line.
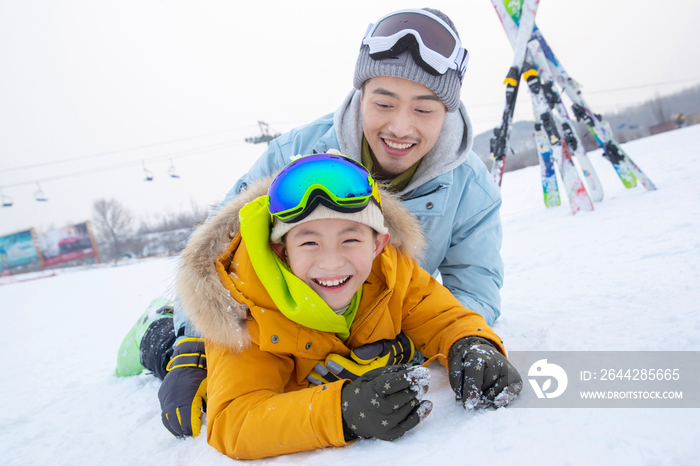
[370,313]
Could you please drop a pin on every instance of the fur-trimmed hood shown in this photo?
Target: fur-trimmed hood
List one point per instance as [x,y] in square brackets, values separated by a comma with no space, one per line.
[207,303]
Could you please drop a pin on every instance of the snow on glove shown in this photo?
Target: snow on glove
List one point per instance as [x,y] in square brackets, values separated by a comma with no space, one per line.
[367,357]
[480,375]
[385,403]
[183,394]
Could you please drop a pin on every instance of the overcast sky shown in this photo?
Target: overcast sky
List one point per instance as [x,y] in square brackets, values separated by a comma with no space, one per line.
[182,83]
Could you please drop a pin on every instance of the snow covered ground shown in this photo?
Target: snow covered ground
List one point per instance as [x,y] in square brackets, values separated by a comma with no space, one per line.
[624,277]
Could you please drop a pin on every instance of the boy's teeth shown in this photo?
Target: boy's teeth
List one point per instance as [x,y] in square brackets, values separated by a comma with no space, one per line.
[393,145]
[332,282]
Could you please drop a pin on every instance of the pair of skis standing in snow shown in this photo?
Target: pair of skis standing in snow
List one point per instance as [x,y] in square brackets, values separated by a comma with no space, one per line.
[555,135]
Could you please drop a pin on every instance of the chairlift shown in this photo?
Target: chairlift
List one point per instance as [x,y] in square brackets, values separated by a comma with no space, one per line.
[39,194]
[171,171]
[148,175]
[6,200]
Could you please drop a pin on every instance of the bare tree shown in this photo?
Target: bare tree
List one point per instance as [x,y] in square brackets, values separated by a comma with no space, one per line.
[658,109]
[113,223]
[169,221]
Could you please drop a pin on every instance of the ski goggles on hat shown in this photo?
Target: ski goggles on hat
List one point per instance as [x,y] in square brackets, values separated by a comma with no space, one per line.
[432,43]
[336,181]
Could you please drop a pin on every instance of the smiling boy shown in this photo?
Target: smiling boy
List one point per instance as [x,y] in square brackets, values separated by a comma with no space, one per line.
[333,256]
[324,264]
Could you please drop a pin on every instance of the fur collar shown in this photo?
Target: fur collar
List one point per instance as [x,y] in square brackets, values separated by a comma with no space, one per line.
[209,306]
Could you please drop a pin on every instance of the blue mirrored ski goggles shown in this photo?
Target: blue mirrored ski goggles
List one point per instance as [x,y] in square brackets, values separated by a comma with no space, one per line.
[432,43]
[336,181]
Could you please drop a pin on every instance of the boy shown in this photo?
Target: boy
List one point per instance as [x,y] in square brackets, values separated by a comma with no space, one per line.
[310,272]
[321,266]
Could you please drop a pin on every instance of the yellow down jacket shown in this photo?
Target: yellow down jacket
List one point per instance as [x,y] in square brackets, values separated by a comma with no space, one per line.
[259,401]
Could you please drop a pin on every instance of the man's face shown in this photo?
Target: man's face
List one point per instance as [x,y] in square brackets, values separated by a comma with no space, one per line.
[401,121]
[333,256]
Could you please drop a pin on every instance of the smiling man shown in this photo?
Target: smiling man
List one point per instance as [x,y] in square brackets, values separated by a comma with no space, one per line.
[405,122]
[401,121]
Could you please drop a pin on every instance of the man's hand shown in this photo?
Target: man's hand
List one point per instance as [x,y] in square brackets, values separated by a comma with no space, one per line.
[183,394]
[480,375]
[367,357]
[385,403]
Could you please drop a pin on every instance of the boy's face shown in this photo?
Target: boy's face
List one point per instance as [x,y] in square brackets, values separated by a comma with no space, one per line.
[333,256]
[401,120]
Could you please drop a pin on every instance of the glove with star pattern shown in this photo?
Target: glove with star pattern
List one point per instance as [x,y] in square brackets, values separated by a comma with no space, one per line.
[480,375]
[385,403]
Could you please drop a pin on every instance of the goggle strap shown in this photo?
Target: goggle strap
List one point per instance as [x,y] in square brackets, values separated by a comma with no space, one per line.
[369,28]
[320,197]
[462,60]
[320,191]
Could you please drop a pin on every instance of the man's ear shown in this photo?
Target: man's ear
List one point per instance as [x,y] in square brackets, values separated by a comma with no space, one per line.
[380,242]
[280,250]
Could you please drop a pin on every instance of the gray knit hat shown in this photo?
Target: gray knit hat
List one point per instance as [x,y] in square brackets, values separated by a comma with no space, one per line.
[447,86]
[371,216]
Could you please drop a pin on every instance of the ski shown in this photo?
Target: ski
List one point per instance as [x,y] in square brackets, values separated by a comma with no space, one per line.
[575,190]
[547,126]
[568,131]
[499,144]
[627,170]
[547,172]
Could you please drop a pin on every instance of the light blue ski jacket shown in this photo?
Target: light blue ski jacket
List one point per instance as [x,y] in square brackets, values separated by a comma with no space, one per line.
[451,193]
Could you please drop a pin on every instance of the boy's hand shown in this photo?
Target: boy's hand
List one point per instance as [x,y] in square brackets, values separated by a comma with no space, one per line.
[385,403]
[183,394]
[480,375]
[367,357]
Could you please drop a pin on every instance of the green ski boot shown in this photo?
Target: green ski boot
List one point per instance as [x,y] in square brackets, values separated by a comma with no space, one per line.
[129,356]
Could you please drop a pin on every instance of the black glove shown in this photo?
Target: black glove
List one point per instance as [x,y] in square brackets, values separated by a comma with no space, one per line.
[385,403]
[183,393]
[399,350]
[480,375]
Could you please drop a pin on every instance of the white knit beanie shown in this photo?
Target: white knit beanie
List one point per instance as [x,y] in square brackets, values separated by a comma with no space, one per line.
[371,216]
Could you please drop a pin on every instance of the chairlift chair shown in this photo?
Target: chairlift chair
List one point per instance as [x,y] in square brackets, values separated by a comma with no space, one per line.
[39,194]
[171,171]
[6,200]
[148,175]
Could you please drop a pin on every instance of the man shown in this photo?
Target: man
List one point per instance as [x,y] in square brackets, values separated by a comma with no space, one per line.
[406,124]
